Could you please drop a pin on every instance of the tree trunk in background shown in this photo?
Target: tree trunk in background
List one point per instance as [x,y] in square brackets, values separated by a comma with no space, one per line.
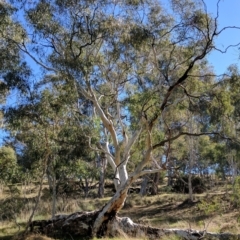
[51,176]
[155,183]
[233,165]
[144,184]
[234,171]
[86,188]
[1,187]
[170,173]
[102,164]
[191,157]
[190,189]
[38,198]
[54,196]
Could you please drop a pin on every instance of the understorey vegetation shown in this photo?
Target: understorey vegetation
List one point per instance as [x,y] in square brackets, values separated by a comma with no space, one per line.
[114,98]
[216,210]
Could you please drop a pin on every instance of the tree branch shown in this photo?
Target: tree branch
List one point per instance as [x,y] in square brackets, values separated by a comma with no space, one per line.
[160,144]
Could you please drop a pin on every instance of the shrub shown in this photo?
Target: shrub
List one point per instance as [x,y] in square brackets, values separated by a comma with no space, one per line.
[180,184]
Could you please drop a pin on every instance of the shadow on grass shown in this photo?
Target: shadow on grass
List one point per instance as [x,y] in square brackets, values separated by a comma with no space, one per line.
[187,204]
[8,237]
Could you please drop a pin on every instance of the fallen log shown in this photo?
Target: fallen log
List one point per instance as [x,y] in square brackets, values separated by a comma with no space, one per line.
[80,224]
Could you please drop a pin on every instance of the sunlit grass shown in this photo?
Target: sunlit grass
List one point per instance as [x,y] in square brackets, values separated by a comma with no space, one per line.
[10,228]
[161,211]
[120,238]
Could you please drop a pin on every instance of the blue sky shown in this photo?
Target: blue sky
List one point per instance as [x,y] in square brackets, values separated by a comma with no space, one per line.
[229,15]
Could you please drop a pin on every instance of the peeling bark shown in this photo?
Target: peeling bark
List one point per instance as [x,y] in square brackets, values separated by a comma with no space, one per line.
[80,225]
[109,212]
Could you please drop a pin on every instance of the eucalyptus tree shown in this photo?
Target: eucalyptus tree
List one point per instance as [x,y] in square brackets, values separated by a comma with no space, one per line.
[226,98]
[133,61]
[50,135]
[9,30]
[9,170]
[12,68]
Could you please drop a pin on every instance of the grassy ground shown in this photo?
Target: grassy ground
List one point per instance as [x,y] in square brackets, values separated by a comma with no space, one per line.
[209,211]
[214,210]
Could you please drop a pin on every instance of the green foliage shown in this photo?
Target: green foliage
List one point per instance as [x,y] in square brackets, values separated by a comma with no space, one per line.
[40,15]
[10,208]
[139,36]
[180,184]
[221,105]
[210,206]
[235,192]
[9,170]
[10,32]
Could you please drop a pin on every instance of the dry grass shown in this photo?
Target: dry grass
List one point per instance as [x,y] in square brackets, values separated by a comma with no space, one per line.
[38,237]
[9,229]
[212,210]
[32,237]
[120,238]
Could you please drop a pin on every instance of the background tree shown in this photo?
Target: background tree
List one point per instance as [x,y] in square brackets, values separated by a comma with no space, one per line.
[51,133]
[8,165]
